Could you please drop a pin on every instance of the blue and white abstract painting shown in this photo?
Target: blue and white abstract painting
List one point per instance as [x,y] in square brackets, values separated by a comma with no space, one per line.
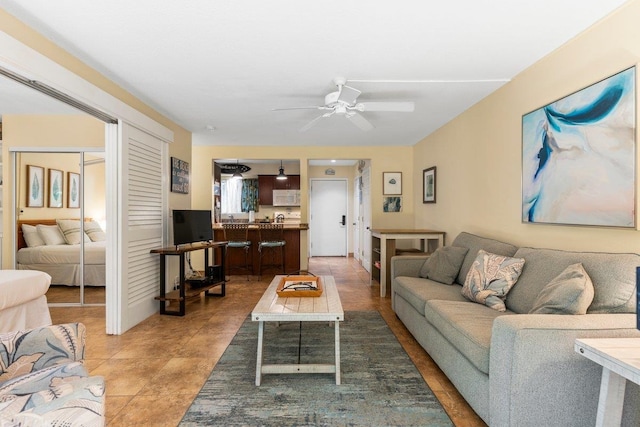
[578,157]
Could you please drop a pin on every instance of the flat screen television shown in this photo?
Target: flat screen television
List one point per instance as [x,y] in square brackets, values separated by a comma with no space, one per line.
[191,226]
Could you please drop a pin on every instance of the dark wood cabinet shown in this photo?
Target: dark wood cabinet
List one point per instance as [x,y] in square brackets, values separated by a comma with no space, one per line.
[291,183]
[265,189]
[268,183]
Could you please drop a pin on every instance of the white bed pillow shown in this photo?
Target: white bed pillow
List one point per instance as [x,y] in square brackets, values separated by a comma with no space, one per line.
[70,229]
[94,231]
[51,234]
[31,236]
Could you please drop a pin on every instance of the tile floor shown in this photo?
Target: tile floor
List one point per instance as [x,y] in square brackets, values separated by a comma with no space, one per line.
[154,370]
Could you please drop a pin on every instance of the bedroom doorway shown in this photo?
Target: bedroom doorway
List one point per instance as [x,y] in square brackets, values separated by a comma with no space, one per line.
[61,227]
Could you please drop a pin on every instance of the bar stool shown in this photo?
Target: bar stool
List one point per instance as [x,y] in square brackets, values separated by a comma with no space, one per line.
[238,237]
[271,241]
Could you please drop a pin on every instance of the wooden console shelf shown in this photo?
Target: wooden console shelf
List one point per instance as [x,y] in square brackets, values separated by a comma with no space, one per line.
[214,275]
[383,247]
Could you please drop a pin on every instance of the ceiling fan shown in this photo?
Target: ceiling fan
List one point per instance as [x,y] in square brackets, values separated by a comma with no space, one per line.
[344,102]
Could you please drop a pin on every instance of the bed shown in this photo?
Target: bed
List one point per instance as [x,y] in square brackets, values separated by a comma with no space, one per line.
[53,246]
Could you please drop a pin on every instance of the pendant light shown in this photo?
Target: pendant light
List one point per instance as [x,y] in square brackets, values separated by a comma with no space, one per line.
[237,174]
[281,174]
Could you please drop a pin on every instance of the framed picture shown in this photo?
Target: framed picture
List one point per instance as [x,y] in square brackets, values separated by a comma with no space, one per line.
[35,186]
[391,183]
[73,190]
[579,157]
[429,185]
[392,204]
[179,176]
[55,188]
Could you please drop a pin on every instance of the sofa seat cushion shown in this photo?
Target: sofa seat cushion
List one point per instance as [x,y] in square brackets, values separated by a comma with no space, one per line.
[612,274]
[417,291]
[467,326]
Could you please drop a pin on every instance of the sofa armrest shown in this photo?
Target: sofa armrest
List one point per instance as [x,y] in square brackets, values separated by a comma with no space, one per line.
[22,352]
[407,265]
[533,366]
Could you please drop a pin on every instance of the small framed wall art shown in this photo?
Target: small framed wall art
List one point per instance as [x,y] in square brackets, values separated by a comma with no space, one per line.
[55,188]
[392,204]
[35,189]
[73,192]
[392,183]
[429,185]
[179,176]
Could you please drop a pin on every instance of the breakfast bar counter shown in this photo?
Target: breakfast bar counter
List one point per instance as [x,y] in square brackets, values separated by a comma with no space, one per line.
[291,233]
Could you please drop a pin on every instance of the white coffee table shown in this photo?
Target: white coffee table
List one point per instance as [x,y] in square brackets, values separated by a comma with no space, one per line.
[620,361]
[272,308]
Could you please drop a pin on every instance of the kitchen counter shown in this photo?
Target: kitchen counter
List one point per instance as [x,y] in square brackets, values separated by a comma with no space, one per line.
[291,249]
[254,226]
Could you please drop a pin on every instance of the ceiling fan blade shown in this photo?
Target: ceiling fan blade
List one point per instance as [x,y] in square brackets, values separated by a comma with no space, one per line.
[316,107]
[348,95]
[400,107]
[360,121]
[311,124]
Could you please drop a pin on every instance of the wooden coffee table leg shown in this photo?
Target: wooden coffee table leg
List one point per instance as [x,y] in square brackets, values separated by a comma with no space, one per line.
[259,358]
[337,327]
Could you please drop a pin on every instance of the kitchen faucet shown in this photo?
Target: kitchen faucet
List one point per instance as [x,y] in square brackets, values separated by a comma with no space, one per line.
[280,218]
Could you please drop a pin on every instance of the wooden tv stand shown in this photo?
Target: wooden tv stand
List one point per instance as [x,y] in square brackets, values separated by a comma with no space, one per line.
[214,275]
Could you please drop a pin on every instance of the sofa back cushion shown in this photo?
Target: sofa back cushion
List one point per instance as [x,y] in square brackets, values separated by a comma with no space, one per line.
[474,244]
[612,275]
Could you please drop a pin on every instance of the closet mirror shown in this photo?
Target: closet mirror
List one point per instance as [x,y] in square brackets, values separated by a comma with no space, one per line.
[61,227]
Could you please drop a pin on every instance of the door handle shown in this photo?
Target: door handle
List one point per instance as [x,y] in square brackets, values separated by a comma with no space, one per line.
[344,220]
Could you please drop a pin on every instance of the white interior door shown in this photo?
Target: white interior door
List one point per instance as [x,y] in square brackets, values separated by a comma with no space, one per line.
[366,218]
[357,202]
[328,220]
[140,213]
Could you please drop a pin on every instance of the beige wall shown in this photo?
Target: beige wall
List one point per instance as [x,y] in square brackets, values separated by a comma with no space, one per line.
[478,155]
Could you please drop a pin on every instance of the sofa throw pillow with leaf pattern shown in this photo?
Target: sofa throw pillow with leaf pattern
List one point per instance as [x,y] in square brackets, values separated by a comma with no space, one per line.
[490,278]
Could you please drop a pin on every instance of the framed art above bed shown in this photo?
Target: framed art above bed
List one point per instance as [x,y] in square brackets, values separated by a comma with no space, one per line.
[35,186]
[56,187]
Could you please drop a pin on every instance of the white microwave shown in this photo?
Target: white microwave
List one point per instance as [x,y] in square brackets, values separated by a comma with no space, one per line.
[286,197]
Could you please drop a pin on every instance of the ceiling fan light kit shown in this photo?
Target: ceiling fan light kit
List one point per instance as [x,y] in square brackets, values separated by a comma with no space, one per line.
[344,102]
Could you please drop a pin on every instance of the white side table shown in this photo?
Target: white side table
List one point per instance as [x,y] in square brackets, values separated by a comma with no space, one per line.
[620,361]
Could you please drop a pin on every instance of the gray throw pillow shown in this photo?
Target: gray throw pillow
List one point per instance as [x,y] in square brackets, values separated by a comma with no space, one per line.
[571,292]
[444,264]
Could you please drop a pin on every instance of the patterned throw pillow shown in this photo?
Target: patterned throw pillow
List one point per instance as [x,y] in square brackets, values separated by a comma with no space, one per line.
[490,278]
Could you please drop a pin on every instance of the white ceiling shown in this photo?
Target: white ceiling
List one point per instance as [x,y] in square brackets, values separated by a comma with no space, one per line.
[227,64]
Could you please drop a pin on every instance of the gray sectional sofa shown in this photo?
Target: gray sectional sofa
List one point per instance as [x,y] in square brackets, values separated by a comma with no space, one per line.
[512,367]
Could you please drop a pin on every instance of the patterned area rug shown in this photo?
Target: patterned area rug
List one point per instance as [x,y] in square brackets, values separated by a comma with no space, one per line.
[380,385]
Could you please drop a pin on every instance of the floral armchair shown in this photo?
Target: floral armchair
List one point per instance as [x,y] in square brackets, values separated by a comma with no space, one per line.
[43,381]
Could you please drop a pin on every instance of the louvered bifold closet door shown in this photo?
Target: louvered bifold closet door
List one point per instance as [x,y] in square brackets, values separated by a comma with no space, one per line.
[142,208]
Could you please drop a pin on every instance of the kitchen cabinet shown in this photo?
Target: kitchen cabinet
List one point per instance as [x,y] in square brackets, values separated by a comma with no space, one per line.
[268,183]
[291,183]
